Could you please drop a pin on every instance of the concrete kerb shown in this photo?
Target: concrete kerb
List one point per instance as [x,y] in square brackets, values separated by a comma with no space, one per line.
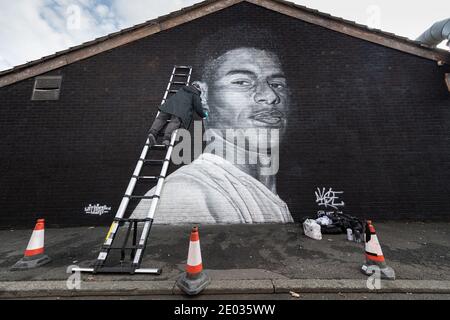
[237,287]
[24,289]
[360,286]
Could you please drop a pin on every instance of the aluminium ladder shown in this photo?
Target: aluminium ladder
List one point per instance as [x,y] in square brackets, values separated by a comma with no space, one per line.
[181,76]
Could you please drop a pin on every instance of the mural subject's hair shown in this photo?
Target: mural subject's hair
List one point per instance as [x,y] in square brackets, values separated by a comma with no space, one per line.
[241,36]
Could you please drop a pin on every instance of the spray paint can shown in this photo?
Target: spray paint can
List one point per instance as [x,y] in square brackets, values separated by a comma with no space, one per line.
[357,237]
[349,234]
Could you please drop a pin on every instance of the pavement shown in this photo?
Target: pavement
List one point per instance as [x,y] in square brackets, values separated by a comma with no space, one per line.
[240,259]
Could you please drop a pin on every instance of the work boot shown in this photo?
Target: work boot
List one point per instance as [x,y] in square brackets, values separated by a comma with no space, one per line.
[166,143]
[151,139]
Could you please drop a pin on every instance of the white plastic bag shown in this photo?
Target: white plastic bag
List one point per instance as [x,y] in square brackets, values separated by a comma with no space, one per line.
[312,229]
[324,221]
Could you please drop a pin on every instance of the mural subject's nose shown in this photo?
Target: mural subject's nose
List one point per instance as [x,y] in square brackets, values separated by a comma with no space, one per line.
[265,94]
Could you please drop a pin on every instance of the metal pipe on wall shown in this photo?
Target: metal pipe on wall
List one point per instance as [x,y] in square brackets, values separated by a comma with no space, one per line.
[437,33]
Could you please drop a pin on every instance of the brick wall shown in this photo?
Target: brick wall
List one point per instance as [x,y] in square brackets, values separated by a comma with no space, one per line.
[367,120]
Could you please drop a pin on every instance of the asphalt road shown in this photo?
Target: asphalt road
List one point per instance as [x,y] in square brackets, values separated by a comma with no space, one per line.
[416,251]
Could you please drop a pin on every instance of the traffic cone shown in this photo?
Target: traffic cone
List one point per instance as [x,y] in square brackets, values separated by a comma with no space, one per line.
[194,280]
[34,254]
[374,255]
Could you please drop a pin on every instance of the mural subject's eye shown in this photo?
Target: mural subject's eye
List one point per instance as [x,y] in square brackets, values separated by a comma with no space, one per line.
[242,83]
[277,85]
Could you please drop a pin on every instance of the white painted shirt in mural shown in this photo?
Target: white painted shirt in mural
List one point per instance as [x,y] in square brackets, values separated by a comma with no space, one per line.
[211,190]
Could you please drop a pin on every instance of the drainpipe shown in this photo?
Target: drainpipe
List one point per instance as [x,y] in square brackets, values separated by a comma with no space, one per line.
[437,33]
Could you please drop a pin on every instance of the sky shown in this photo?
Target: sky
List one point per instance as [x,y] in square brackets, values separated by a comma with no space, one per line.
[31,29]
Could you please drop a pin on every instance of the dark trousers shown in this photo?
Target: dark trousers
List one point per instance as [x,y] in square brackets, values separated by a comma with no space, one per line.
[161,120]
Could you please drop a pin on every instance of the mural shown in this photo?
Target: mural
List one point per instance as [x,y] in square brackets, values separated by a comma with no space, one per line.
[245,91]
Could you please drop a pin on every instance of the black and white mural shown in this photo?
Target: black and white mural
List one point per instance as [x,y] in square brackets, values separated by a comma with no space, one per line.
[246,93]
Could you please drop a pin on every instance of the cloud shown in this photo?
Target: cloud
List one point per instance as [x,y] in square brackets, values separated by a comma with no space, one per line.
[30,30]
[131,12]
[24,33]
[103,11]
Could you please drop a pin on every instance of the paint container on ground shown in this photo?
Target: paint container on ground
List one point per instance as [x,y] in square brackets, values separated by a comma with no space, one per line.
[349,234]
[357,237]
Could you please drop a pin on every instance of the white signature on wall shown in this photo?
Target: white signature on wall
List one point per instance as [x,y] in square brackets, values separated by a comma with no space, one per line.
[328,198]
[97,209]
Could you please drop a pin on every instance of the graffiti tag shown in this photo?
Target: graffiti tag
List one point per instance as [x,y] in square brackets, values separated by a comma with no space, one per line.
[328,198]
[97,209]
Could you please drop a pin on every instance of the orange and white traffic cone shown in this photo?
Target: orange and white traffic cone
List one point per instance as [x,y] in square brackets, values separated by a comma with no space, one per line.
[194,280]
[375,261]
[34,254]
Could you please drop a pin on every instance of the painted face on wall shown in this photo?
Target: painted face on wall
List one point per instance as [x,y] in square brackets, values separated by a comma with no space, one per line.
[247,90]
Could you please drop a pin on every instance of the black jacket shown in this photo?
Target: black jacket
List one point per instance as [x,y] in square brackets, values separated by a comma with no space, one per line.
[182,103]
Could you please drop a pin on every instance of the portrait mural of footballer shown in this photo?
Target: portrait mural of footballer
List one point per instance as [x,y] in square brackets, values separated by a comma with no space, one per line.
[245,92]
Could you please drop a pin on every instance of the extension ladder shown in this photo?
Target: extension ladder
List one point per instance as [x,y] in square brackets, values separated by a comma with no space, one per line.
[181,76]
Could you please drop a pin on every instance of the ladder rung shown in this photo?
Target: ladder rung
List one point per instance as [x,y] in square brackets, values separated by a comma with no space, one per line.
[178,82]
[141,197]
[126,248]
[118,270]
[133,220]
[127,269]
[180,74]
[153,178]
[161,147]
[172,91]
[183,67]
[153,161]
[121,269]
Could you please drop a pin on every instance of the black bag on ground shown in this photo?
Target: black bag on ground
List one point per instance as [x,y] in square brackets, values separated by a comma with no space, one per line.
[340,223]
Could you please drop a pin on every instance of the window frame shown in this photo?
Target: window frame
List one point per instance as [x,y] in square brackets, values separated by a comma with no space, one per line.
[37,90]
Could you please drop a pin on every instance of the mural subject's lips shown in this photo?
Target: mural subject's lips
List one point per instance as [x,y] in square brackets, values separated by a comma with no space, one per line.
[272,117]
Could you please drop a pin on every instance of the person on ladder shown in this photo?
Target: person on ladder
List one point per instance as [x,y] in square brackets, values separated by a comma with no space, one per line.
[178,109]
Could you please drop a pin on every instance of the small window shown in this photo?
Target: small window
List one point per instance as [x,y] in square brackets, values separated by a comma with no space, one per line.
[46,88]
[447,81]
